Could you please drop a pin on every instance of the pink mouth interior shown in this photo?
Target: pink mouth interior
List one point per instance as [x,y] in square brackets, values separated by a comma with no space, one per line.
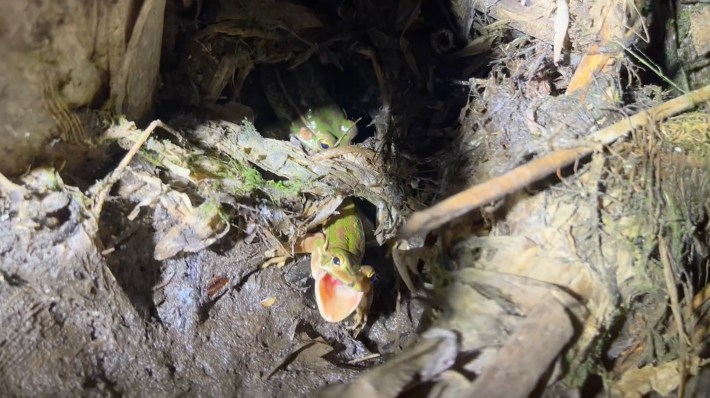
[336,301]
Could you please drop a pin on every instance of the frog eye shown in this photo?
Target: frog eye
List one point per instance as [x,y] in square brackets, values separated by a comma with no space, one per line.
[323,144]
[336,260]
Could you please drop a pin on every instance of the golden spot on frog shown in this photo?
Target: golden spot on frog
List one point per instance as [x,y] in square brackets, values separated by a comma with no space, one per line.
[305,134]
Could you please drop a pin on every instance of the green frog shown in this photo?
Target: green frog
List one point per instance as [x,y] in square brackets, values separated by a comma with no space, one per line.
[299,98]
[342,284]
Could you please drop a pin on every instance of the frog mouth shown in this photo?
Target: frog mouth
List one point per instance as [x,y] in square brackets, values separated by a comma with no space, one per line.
[336,300]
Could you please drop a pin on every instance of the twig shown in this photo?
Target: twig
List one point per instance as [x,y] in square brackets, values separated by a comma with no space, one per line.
[102,188]
[496,188]
[344,150]
[651,66]
[670,286]
[164,282]
[380,75]
[363,359]
[683,340]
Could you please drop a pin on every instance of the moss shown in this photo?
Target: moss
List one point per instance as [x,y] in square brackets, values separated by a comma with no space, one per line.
[252,178]
[289,188]
[577,376]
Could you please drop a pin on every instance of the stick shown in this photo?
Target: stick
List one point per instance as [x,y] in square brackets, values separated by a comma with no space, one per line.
[496,188]
[104,186]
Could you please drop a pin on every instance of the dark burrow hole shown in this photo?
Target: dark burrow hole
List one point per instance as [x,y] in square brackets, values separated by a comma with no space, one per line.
[427,104]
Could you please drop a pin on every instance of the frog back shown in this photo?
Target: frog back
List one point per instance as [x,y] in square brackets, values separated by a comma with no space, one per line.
[333,119]
[321,111]
[345,232]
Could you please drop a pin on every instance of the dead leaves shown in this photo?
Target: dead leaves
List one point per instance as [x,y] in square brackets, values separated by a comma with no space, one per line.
[193,229]
[197,228]
[423,362]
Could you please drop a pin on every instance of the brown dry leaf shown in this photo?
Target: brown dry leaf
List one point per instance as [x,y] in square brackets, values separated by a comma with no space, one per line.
[662,379]
[310,351]
[215,286]
[197,229]
[140,187]
[434,354]
[278,261]
[406,259]
[550,326]
[222,76]
[321,211]
[315,353]
[533,20]
[477,46]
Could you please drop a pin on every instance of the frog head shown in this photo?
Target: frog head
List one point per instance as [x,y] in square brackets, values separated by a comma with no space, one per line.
[336,300]
[315,140]
[340,286]
[323,128]
[339,264]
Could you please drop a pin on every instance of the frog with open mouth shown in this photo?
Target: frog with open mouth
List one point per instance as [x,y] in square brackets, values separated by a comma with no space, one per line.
[342,284]
[299,98]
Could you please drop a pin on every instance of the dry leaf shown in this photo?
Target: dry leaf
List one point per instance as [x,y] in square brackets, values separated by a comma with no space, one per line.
[268,302]
[198,227]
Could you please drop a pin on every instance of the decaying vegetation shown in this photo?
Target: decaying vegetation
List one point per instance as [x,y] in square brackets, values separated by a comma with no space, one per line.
[535,175]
